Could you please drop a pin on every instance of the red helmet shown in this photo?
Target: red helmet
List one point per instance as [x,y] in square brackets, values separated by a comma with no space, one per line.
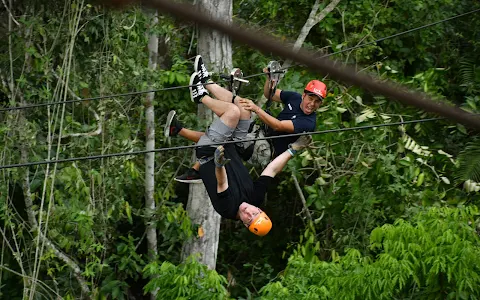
[317,87]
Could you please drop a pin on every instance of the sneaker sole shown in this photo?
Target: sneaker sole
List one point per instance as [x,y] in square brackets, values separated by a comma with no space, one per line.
[191,83]
[189,180]
[195,66]
[170,116]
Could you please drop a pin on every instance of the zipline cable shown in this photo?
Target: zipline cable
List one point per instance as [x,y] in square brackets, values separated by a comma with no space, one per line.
[384,38]
[336,70]
[100,156]
[91,99]
[246,77]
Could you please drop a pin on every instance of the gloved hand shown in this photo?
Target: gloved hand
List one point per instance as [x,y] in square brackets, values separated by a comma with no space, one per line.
[301,143]
[219,157]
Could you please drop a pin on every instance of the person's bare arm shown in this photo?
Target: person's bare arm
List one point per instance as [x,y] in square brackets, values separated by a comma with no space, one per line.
[220,171]
[272,122]
[222,179]
[277,165]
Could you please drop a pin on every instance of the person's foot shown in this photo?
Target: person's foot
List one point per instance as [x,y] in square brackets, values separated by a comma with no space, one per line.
[201,69]
[219,157]
[172,126]
[191,176]
[197,91]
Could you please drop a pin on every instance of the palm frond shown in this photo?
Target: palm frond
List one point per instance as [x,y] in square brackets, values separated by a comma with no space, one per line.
[467,72]
[469,162]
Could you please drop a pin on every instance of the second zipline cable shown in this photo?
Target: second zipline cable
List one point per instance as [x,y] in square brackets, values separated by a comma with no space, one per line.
[100,156]
[249,76]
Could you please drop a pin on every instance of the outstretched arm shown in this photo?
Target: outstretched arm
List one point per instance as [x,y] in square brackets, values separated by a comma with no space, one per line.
[277,165]
[220,171]
[222,179]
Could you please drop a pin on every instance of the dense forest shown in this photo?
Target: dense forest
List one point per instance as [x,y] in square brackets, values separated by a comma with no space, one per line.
[378,213]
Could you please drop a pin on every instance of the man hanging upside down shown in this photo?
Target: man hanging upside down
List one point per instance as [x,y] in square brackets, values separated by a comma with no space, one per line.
[233,193]
[298,114]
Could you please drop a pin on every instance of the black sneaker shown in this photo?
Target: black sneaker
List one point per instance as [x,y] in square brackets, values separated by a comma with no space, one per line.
[201,69]
[172,126]
[191,176]
[197,91]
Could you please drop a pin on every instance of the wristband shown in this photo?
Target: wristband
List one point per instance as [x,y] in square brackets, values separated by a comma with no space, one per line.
[292,152]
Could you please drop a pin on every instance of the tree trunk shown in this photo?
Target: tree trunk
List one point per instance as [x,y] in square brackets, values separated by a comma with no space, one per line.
[216,50]
[313,19]
[150,145]
[22,132]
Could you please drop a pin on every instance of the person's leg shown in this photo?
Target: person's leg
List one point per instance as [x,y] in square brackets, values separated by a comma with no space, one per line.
[191,135]
[219,92]
[221,129]
[229,113]
[225,95]
[174,127]
[232,115]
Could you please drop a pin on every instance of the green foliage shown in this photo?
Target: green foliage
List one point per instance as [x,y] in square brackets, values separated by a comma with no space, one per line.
[354,181]
[189,280]
[469,162]
[432,256]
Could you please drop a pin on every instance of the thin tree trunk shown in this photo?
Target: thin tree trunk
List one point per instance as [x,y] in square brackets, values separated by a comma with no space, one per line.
[150,157]
[313,19]
[216,50]
[302,197]
[22,129]
[28,198]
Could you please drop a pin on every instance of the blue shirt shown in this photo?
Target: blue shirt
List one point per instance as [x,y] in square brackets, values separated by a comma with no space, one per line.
[301,121]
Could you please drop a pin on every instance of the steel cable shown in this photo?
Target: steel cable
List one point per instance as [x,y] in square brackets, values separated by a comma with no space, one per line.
[246,77]
[100,156]
[335,69]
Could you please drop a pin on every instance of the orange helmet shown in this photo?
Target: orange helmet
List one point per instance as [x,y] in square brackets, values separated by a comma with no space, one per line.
[317,87]
[261,225]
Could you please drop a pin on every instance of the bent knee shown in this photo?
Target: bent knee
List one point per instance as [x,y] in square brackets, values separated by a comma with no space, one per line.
[233,112]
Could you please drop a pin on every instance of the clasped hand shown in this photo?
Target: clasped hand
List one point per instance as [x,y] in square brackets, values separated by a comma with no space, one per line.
[249,105]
